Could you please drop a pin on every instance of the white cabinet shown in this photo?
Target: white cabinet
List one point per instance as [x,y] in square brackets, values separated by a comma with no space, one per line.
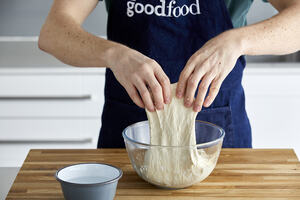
[273,104]
[47,94]
[48,107]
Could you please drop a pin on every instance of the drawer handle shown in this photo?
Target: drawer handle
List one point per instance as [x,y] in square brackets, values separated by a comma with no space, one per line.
[48,141]
[34,98]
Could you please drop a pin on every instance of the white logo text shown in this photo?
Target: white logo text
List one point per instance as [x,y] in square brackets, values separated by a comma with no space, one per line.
[170,10]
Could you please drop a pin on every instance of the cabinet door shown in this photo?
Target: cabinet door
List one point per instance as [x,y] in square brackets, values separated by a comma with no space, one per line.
[51,95]
[273,106]
[48,110]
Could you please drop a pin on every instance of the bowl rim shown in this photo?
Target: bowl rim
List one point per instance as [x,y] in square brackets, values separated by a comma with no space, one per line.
[202,145]
[89,184]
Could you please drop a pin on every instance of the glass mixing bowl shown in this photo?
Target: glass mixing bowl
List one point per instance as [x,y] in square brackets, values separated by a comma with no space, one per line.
[174,167]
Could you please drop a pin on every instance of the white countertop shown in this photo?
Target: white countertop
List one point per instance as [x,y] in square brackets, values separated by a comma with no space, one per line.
[8,175]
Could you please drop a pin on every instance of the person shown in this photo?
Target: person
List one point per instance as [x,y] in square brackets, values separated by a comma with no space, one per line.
[151,43]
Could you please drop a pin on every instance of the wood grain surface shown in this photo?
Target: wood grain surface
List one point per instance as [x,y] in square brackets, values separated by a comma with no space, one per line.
[239,174]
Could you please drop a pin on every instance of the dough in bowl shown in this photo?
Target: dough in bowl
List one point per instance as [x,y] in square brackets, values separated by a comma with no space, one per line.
[175,167]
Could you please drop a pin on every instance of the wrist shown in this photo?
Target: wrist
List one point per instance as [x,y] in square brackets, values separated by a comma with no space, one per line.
[242,40]
[110,55]
[233,43]
[113,53]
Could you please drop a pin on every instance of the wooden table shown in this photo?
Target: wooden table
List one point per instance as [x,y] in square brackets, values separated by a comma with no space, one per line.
[239,174]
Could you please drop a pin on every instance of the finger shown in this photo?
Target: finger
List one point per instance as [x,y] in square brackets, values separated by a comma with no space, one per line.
[192,85]
[213,91]
[156,91]
[165,83]
[145,94]
[202,90]
[183,78]
[197,58]
[134,95]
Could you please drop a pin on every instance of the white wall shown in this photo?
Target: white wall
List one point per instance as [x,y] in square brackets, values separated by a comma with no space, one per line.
[260,11]
[25,17]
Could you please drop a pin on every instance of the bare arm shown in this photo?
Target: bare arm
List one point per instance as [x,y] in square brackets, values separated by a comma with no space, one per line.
[214,61]
[277,35]
[63,37]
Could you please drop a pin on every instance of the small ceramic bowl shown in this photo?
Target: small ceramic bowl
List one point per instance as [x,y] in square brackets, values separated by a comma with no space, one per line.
[92,181]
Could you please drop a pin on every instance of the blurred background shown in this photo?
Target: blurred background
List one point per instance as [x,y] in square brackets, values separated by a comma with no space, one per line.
[47,104]
[25,18]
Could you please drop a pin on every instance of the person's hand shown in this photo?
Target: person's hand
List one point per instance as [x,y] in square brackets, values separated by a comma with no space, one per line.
[142,77]
[211,64]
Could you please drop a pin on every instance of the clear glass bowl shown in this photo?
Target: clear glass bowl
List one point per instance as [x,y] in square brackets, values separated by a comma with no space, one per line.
[174,167]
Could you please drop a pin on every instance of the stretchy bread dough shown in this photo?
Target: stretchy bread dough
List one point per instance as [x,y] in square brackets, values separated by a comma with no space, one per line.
[180,166]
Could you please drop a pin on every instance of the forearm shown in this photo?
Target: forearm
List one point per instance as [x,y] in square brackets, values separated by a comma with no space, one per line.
[67,41]
[275,36]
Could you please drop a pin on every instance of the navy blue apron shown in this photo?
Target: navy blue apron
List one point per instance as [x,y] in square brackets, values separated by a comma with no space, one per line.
[169,32]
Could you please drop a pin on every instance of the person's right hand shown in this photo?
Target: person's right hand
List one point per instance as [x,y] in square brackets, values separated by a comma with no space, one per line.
[142,77]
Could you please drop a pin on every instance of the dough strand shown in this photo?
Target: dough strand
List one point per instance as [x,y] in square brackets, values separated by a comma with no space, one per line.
[175,167]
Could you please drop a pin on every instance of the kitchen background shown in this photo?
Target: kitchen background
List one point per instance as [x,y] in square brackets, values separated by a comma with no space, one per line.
[46,104]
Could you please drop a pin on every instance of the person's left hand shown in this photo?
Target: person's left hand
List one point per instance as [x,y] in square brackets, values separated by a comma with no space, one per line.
[211,64]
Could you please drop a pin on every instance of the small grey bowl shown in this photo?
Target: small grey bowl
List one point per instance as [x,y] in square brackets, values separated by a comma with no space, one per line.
[90,181]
